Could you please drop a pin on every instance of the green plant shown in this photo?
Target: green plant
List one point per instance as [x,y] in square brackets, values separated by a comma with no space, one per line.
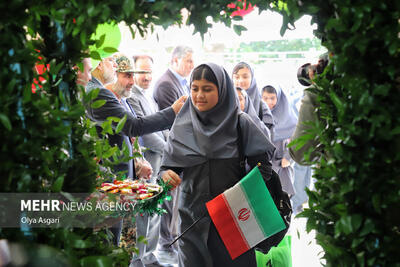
[47,147]
[354,208]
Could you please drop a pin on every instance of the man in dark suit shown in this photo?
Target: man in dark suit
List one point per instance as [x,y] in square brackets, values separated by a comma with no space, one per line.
[143,104]
[169,87]
[115,106]
[173,83]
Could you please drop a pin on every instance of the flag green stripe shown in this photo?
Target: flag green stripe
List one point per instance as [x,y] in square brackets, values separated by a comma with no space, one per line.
[260,200]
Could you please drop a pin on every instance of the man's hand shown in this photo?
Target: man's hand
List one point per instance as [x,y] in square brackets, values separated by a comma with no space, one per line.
[145,170]
[172,178]
[177,105]
[285,163]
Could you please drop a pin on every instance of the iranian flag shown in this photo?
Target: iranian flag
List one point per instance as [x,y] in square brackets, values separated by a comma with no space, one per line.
[245,214]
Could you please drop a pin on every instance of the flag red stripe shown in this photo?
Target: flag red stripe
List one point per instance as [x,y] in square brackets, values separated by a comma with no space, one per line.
[229,231]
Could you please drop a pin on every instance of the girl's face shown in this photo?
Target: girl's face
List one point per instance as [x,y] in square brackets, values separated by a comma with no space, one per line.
[270,99]
[242,100]
[242,78]
[204,94]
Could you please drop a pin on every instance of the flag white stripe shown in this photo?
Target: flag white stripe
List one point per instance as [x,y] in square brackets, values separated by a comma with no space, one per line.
[237,200]
[235,221]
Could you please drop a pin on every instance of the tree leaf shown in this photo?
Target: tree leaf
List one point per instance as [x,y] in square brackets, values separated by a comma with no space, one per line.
[95,55]
[110,152]
[5,121]
[96,261]
[121,124]
[110,49]
[100,42]
[239,28]
[142,239]
[98,103]
[57,185]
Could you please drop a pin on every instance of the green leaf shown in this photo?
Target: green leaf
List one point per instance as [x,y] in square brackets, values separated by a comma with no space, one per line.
[57,185]
[98,103]
[100,42]
[95,55]
[96,261]
[110,152]
[336,100]
[121,124]
[107,129]
[79,243]
[99,149]
[142,239]
[237,18]
[113,118]
[5,121]
[109,49]
[27,94]
[55,69]
[395,131]
[239,28]
[356,221]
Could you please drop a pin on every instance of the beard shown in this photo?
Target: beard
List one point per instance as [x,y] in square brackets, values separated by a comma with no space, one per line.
[121,90]
[109,77]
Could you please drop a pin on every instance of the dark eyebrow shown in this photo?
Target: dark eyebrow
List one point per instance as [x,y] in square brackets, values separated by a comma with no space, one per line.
[142,71]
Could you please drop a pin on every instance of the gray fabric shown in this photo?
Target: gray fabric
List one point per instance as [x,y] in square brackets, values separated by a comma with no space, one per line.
[147,226]
[249,109]
[197,136]
[169,222]
[284,115]
[286,175]
[167,89]
[267,117]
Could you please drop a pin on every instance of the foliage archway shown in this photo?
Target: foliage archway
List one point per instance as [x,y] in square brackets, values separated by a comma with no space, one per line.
[46,148]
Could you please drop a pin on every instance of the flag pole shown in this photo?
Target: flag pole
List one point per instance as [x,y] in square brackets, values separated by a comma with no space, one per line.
[187,229]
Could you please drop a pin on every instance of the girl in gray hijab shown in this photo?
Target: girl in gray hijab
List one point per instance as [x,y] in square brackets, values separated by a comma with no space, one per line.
[247,107]
[286,120]
[202,148]
[243,77]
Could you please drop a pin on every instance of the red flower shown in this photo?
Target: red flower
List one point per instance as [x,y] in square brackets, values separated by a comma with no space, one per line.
[241,11]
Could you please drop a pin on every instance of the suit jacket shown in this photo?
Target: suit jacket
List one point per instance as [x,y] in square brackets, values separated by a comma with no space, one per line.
[134,126]
[155,142]
[167,89]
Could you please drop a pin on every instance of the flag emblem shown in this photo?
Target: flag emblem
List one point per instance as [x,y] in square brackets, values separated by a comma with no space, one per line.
[243,214]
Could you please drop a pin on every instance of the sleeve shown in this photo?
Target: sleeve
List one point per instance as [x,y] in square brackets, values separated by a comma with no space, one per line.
[307,113]
[152,141]
[134,126]
[165,94]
